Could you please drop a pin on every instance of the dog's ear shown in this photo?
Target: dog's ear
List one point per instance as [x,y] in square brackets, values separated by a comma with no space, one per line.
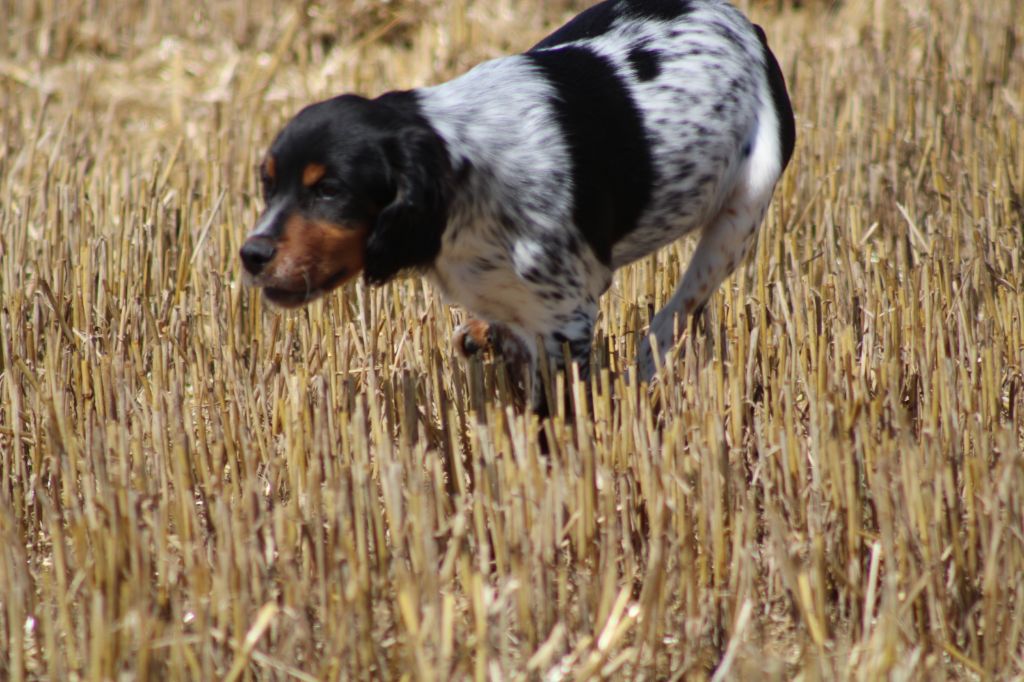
[407,233]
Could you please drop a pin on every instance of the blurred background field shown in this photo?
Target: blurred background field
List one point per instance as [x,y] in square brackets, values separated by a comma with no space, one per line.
[828,483]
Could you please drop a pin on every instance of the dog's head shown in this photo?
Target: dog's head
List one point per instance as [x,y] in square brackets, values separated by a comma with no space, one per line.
[351,185]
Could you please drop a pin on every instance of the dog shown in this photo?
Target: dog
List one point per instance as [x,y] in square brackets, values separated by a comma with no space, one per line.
[520,187]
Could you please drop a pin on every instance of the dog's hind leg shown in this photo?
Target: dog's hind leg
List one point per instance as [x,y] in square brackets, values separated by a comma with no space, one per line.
[726,239]
[723,245]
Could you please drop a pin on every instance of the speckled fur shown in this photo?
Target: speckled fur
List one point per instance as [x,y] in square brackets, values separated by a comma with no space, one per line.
[512,254]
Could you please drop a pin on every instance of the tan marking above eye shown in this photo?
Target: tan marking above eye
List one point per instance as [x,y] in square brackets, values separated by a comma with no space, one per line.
[270,167]
[312,173]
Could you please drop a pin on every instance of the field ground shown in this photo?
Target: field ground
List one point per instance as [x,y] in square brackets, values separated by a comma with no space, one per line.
[829,482]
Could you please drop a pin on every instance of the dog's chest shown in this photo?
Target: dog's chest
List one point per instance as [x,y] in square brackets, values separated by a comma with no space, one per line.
[477,274]
[523,271]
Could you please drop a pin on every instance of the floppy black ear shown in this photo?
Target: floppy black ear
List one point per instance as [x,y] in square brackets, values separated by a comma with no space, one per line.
[407,233]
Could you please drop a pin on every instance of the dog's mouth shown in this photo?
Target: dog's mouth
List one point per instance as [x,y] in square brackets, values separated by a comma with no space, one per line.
[290,299]
[294,298]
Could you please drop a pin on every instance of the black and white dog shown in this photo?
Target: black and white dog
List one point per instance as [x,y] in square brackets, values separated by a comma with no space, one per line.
[521,186]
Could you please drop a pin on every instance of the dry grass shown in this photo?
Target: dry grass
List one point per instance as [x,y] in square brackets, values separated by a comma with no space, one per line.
[193,486]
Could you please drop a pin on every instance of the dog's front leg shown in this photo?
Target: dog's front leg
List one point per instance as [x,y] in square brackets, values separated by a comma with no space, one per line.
[529,369]
[569,344]
[476,336]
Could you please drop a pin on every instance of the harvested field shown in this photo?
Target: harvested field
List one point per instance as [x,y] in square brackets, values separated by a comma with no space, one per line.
[828,483]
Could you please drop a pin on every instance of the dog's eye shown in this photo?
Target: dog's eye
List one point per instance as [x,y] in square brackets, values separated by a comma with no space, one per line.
[327,189]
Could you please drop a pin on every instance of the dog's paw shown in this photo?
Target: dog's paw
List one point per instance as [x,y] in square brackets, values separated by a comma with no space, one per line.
[646,361]
[471,338]
[645,366]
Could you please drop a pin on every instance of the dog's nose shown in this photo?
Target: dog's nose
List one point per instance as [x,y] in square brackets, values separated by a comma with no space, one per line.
[256,253]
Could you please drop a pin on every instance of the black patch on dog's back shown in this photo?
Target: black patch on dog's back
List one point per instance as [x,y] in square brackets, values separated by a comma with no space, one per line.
[646,63]
[590,23]
[598,20]
[663,10]
[612,171]
[783,107]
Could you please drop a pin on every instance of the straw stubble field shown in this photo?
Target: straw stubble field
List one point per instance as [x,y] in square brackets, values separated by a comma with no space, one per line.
[827,482]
